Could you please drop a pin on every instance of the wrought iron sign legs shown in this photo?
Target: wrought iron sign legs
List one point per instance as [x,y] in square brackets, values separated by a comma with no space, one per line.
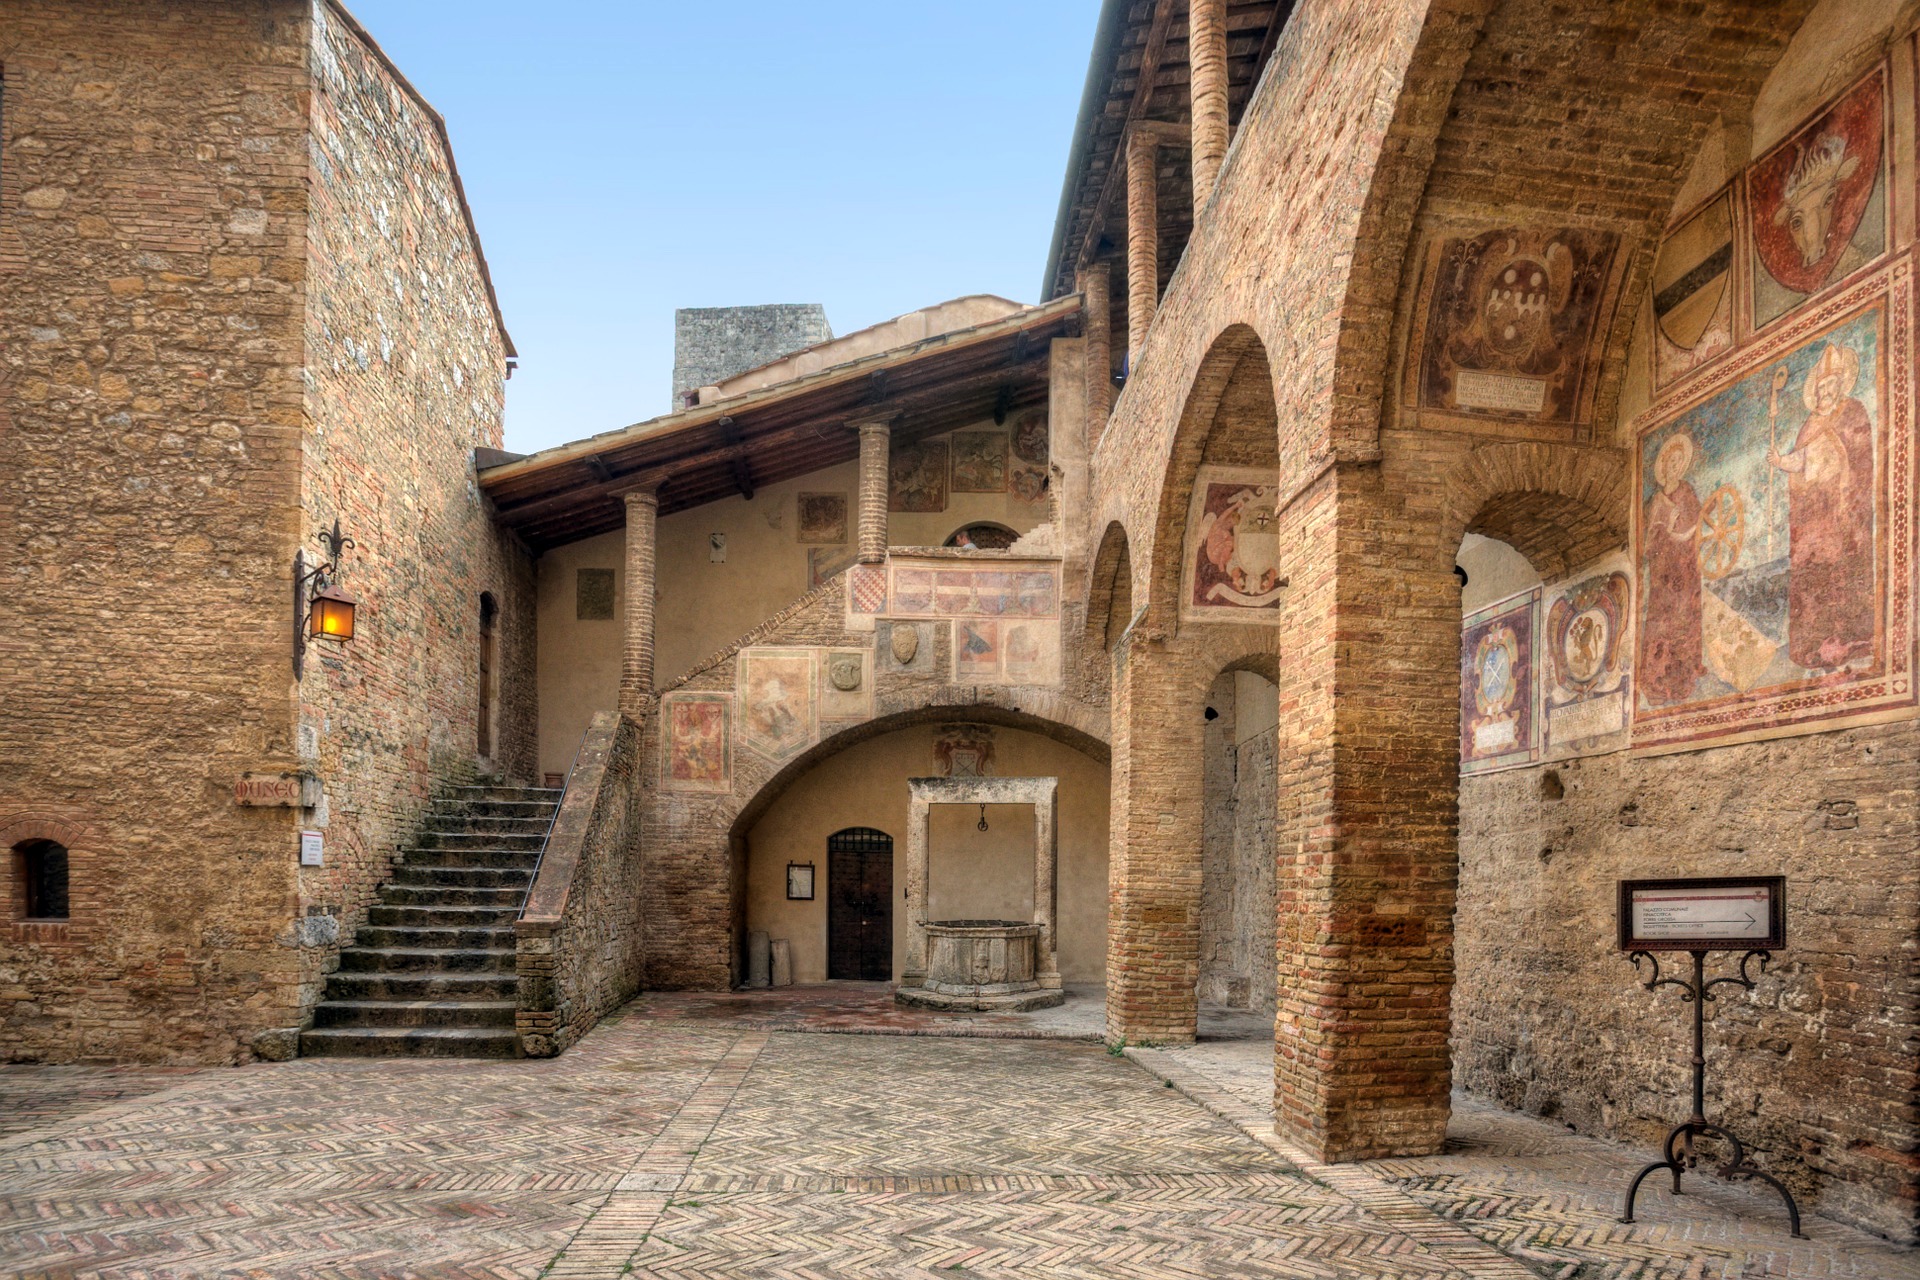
[1678,1148]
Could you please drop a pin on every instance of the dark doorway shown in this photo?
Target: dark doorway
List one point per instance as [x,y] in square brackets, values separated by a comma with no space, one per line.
[485,711]
[860,905]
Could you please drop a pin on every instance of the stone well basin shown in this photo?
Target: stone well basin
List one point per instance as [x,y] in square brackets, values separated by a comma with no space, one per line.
[981,964]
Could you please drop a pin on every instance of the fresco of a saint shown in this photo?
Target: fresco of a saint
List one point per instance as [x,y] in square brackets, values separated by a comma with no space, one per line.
[1670,639]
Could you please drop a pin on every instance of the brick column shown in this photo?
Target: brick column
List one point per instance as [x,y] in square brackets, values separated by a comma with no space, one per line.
[1094,281]
[1143,239]
[636,666]
[875,443]
[1366,831]
[1207,81]
[1153,846]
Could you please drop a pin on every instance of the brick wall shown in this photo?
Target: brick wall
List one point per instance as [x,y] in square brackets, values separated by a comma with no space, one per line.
[405,370]
[151,277]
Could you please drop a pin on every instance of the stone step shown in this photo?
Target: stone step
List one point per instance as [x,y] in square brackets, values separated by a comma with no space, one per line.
[468,824]
[462,877]
[420,895]
[482,840]
[541,809]
[519,859]
[410,1042]
[426,959]
[550,795]
[342,985]
[444,916]
[497,937]
[414,1013]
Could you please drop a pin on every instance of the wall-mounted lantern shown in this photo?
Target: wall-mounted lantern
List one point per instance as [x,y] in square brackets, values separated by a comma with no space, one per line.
[321,610]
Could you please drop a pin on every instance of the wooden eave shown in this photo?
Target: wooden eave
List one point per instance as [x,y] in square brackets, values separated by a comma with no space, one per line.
[733,446]
[1138,75]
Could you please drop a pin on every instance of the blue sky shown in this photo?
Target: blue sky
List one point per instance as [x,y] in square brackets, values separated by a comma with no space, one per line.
[626,159]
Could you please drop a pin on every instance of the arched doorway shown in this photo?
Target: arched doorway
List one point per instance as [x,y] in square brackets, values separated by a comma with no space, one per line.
[859,905]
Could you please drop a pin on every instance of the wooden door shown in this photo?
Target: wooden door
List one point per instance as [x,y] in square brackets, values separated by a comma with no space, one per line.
[860,905]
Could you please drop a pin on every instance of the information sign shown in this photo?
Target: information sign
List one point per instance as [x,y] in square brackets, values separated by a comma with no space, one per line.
[312,849]
[1747,913]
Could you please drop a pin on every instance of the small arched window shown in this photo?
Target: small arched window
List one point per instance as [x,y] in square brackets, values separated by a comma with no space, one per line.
[983,535]
[40,869]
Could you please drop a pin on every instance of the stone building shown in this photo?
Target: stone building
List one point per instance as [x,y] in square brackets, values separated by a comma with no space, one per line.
[1462,458]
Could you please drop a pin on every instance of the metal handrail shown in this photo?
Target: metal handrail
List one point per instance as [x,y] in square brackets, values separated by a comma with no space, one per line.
[547,839]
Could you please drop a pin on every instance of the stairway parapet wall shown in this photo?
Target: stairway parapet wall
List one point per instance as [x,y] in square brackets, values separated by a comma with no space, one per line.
[580,944]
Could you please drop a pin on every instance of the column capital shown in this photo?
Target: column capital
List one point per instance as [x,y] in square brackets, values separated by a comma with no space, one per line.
[645,496]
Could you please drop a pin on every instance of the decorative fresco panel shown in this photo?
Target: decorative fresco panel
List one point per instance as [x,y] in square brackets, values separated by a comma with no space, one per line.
[1000,588]
[1507,321]
[778,709]
[1497,720]
[1773,536]
[1693,291]
[697,742]
[846,684]
[917,477]
[822,518]
[1030,442]
[979,462]
[1587,662]
[1818,202]
[1232,565]
[824,562]
[1006,650]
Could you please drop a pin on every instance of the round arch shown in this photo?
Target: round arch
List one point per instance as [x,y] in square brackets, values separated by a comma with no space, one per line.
[1110,587]
[1560,506]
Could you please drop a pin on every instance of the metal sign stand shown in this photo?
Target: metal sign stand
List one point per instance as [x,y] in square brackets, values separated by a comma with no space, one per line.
[1680,1155]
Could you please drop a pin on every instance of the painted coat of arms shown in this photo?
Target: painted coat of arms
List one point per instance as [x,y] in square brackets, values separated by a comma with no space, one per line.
[1232,564]
[1819,202]
[778,710]
[1587,676]
[696,742]
[1693,291]
[1497,686]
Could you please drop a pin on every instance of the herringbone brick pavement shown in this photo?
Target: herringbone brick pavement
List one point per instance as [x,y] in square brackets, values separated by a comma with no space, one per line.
[1550,1199]
[711,1150]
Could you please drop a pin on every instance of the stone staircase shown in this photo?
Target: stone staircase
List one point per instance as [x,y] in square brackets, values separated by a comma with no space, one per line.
[431,973]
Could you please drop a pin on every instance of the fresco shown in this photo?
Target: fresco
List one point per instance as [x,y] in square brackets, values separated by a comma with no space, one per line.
[963,751]
[1585,672]
[824,562]
[1497,723]
[1027,479]
[822,518]
[1507,322]
[697,742]
[778,715]
[1232,567]
[866,595]
[1693,291]
[1006,651]
[1819,202]
[917,477]
[979,462]
[944,589]
[1770,501]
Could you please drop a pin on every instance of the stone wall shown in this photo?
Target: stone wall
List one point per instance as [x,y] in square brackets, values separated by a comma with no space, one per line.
[582,937]
[405,369]
[714,343]
[152,222]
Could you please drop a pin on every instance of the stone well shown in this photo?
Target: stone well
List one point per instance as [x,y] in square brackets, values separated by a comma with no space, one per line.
[982,964]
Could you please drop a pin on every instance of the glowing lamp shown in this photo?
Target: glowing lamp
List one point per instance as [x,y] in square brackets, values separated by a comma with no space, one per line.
[332,614]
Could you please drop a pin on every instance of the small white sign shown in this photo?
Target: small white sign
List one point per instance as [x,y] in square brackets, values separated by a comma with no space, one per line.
[311,849]
[1738,913]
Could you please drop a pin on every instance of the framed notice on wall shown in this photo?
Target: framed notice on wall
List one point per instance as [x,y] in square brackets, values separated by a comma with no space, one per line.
[800,882]
[1711,914]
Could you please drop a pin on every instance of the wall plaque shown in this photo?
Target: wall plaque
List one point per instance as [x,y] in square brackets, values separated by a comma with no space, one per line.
[313,849]
[1711,914]
[288,790]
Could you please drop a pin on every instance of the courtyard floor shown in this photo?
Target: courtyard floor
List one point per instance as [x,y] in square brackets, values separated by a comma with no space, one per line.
[697,1136]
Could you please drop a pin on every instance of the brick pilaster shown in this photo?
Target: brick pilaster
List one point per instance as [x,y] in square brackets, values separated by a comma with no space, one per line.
[636,666]
[876,440]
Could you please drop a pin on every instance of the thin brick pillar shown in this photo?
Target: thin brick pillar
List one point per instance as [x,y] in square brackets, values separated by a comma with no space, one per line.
[876,440]
[1365,837]
[1207,81]
[636,665]
[1143,239]
[1153,846]
[1096,317]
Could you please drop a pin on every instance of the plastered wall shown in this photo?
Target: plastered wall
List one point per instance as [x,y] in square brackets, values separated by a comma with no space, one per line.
[972,874]
[1237,858]
[705,604]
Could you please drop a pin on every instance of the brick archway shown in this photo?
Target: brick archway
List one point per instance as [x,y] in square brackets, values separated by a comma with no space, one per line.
[1110,595]
[1560,506]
